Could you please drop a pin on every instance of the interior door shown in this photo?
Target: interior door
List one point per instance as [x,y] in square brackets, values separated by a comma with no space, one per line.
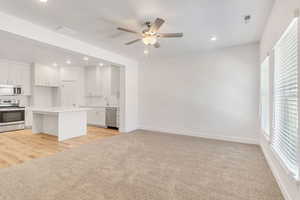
[69,97]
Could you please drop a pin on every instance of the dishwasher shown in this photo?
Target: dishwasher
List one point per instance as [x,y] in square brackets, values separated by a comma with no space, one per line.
[111,116]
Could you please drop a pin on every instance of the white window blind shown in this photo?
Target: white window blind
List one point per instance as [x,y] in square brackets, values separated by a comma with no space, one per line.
[285,121]
[264,96]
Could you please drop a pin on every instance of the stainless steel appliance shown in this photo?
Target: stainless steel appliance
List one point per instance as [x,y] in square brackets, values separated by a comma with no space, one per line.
[12,116]
[10,90]
[111,117]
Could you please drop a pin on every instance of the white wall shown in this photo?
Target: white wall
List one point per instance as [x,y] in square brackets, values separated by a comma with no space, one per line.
[32,31]
[281,16]
[44,97]
[211,95]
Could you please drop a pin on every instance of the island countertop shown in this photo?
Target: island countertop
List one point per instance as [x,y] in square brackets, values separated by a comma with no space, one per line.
[56,110]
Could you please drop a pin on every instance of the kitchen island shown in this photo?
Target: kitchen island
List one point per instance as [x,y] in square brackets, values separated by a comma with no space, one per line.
[65,123]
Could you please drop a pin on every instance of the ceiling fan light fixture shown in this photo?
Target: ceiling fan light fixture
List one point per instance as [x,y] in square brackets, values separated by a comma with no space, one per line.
[149,40]
[213,38]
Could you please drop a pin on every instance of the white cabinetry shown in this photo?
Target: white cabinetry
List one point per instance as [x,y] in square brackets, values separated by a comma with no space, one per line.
[28,117]
[47,76]
[115,81]
[102,81]
[26,80]
[69,73]
[96,117]
[15,73]
[93,79]
[4,67]
[111,81]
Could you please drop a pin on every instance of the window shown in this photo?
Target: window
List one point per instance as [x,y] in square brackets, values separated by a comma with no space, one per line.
[264,96]
[285,120]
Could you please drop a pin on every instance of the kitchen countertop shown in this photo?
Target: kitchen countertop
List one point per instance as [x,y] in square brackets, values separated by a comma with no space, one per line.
[58,109]
[94,106]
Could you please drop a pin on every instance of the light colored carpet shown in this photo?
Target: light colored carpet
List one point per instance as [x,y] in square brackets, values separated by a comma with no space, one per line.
[145,166]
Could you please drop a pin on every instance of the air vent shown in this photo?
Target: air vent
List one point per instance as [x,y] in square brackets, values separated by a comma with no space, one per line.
[247,19]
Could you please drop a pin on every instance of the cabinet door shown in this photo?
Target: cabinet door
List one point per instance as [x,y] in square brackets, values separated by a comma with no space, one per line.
[92,117]
[98,82]
[90,81]
[115,81]
[53,76]
[69,74]
[106,78]
[40,75]
[96,117]
[69,94]
[14,74]
[28,117]
[101,117]
[26,80]
[46,76]
[4,66]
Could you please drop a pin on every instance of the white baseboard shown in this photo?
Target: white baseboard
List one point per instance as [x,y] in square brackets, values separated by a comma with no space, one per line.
[203,135]
[276,173]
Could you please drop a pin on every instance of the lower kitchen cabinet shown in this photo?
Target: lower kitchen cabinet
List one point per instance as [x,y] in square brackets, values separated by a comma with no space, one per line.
[28,117]
[96,117]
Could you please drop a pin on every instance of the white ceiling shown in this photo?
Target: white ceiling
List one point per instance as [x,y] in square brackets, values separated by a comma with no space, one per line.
[21,49]
[95,21]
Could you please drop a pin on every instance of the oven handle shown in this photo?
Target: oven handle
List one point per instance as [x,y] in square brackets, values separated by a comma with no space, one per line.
[12,123]
[15,109]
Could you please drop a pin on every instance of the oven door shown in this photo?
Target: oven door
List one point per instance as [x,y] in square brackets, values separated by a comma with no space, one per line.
[10,117]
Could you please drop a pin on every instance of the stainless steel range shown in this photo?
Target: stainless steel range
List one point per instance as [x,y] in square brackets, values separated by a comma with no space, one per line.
[12,116]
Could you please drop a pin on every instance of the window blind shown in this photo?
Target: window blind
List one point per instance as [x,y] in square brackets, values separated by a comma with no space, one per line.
[285,120]
[264,96]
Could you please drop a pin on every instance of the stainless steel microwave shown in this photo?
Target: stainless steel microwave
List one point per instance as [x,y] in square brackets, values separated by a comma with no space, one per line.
[10,90]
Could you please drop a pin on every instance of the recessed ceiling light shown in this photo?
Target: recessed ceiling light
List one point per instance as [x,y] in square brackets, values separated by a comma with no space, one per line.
[85,58]
[44,1]
[101,64]
[55,64]
[213,38]
[146,52]
[68,62]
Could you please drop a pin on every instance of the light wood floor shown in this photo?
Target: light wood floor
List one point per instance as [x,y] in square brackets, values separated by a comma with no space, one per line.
[19,146]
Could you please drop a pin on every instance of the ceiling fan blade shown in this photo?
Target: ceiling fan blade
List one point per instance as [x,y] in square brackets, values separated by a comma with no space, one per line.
[127,30]
[170,35]
[156,25]
[131,42]
[157,45]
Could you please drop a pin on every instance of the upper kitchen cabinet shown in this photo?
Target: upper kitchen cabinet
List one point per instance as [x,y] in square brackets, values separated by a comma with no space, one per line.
[69,73]
[102,81]
[115,81]
[111,81]
[10,73]
[4,71]
[47,76]
[93,81]
[15,73]
[26,80]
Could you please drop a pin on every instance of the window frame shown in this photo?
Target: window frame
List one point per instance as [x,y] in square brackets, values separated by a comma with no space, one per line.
[296,175]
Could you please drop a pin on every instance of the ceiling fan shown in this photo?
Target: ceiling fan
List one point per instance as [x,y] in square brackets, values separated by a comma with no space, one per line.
[150,35]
